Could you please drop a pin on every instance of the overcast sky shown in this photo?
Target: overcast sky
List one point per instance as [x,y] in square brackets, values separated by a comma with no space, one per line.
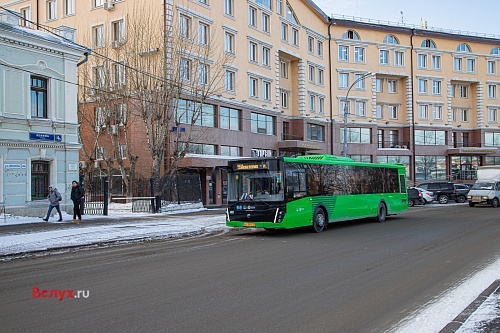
[481,16]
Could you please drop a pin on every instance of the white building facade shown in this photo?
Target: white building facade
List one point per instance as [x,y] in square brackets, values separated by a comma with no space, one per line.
[38,115]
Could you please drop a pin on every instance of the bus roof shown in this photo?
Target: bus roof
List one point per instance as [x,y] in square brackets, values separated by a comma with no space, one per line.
[331,159]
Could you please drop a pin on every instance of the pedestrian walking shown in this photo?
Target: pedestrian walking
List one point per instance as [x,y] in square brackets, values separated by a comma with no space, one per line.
[76,197]
[54,198]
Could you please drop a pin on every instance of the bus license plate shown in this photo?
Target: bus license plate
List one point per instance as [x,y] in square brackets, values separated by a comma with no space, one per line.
[248,224]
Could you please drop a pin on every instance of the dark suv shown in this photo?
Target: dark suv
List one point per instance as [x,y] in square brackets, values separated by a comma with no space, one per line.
[443,191]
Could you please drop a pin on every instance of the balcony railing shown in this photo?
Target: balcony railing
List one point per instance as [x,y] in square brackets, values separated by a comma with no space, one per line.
[394,144]
[288,137]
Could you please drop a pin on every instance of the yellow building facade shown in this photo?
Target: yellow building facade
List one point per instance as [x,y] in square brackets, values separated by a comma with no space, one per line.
[425,98]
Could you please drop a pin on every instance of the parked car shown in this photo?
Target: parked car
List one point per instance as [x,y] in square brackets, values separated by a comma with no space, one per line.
[414,197]
[427,196]
[462,192]
[443,191]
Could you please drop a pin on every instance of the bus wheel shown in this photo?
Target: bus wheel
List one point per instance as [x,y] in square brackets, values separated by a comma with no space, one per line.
[382,212]
[319,220]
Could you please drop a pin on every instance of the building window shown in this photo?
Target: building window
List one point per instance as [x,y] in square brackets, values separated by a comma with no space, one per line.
[99,74]
[295,37]
[393,138]
[463,91]
[229,7]
[118,75]
[265,3]
[343,80]
[436,87]
[492,91]
[321,75]
[184,26]
[40,176]
[350,34]
[390,39]
[229,118]
[285,97]
[203,34]
[51,10]
[392,86]
[230,80]
[422,61]
[279,7]
[464,115]
[118,32]
[437,112]
[452,90]
[422,86]
[491,139]
[379,85]
[343,53]
[492,115]
[380,139]
[393,111]
[360,84]
[433,138]
[69,7]
[203,74]
[463,48]
[319,48]
[423,111]
[229,42]
[360,109]
[471,65]
[252,52]
[266,23]
[492,67]
[99,118]
[97,3]
[321,104]
[310,44]
[284,32]
[356,135]
[312,103]
[254,87]
[262,124]
[38,97]
[284,69]
[359,54]
[378,112]
[399,58]
[189,112]
[98,37]
[315,132]
[436,62]
[230,151]
[266,90]
[25,17]
[252,17]
[457,64]
[266,56]
[428,44]
[185,69]
[312,74]
[384,57]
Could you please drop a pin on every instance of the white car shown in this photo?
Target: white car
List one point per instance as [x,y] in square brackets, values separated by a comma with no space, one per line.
[428,196]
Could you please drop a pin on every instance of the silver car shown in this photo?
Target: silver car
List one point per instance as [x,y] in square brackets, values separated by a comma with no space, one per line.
[428,196]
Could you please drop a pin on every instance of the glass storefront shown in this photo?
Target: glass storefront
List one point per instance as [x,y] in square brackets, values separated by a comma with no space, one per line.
[464,167]
[430,168]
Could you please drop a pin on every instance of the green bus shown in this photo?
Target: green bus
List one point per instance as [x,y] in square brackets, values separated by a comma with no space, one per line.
[312,190]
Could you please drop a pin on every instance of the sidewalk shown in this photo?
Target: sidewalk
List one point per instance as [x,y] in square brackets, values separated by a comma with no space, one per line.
[21,236]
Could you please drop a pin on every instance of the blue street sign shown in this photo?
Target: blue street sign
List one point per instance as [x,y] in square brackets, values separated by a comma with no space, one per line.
[46,137]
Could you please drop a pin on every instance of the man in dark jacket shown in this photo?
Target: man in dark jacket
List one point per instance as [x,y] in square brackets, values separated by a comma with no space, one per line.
[76,197]
[54,198]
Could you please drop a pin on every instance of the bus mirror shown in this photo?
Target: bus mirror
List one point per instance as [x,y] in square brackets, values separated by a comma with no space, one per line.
[289,192]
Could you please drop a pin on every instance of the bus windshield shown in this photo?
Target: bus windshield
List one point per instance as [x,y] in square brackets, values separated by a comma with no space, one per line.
[262,185]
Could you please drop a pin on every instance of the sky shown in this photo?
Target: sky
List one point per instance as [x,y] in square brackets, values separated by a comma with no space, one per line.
[480,16]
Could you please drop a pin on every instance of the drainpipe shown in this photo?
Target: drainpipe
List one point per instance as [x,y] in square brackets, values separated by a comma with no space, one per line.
[413,171]
[86,54]
[330,82]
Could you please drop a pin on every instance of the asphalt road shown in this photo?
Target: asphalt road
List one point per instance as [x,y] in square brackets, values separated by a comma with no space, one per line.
[354,277]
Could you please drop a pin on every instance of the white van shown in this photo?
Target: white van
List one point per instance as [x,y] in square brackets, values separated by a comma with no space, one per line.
[485,191]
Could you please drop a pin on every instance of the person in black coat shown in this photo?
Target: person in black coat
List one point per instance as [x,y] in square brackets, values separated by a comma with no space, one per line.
[76,197]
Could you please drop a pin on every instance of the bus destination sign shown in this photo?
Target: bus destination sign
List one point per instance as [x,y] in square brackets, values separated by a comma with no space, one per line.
[250,166]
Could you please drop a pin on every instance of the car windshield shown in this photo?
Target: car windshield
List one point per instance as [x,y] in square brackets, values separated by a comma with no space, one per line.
[483,186]
[255,186]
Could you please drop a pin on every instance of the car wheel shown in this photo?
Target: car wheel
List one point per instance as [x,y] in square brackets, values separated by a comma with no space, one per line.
[471,204]
[319,220]
[382,212]
[461,199]
[494,202]
[424,202]
[443,199]
[411,203]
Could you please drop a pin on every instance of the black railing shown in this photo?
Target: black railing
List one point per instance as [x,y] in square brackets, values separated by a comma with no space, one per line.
[394,144]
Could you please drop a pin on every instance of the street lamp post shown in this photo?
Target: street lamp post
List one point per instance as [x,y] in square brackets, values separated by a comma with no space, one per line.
[346,111]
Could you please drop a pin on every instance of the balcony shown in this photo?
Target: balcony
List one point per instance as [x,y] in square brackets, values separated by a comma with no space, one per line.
[296,143]
[394,144]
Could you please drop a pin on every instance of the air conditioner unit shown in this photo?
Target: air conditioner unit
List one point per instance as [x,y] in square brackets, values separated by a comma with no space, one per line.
[109,5]
[90,91]
[82,164]
[113,129]
[97,164]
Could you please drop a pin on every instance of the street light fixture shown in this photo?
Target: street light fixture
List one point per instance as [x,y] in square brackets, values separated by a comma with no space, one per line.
[346,111]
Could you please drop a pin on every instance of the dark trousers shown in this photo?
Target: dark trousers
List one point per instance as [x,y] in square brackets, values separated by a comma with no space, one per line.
[50,210]
[76,210]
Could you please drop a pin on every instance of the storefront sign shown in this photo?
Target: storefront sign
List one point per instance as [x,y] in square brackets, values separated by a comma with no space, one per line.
[262,153]
[45,137]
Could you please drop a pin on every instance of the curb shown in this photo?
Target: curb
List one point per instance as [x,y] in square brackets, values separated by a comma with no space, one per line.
[456,323]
